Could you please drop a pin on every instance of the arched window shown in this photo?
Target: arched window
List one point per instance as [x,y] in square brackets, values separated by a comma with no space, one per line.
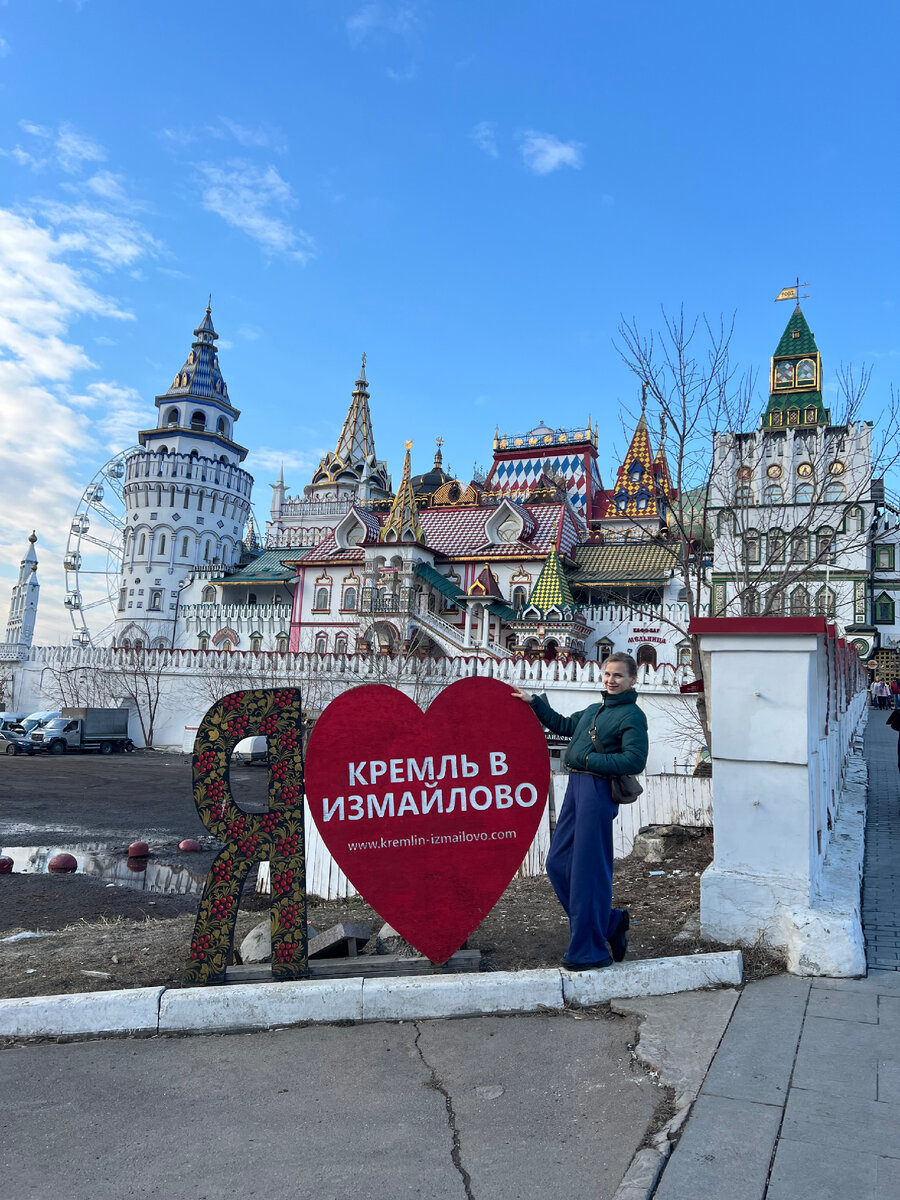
[725,524]
[604,649]
[803,494]
[773,494]
[825,545]
[226,645]
[751,547]
[142,545]
[835,493]
[621,501]
[775,546]
[646,655]
[321,643]
[519,597]
[825,602]
[800,548]
[642,501]
[635,472]
[207,548]
[281,643]
[162,543]
[884,609]
[185,546]
[322,598]
[198,420]
[172,496]
[855,516]
[750,603]
[221,427]
[799,603]
[743,494]
[340,644]
[209,595]
[348,600]
[172,418]
[684,654]
[682,595]
[255,642]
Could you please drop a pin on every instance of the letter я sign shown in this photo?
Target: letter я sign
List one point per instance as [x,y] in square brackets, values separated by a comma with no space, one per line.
[429,815]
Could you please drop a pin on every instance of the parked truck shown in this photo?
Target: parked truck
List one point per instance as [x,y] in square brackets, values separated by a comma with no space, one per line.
[103,729]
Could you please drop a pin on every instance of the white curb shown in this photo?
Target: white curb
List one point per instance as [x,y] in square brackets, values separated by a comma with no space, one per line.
[259,1005]
[426,996]
[132,1011]
[653,977]
[250,1006]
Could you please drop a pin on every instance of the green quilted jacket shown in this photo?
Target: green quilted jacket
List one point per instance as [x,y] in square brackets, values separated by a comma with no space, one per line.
[621,730]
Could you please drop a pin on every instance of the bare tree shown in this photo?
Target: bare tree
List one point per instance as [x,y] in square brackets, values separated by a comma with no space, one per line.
[136,677]
[80,686]
[726,479]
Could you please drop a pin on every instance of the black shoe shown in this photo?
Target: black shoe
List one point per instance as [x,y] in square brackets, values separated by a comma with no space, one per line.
[618,943]
[586,966]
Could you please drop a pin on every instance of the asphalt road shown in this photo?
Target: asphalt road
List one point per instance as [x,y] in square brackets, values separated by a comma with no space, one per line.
[119,797]
[486,1108]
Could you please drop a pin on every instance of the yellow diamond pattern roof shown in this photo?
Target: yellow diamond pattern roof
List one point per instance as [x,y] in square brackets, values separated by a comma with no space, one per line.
[552,588]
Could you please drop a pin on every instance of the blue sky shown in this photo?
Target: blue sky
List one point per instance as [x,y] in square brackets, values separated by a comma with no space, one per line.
[471,192]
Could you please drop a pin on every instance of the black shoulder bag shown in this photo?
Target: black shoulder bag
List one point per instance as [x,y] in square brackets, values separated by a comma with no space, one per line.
[624,789]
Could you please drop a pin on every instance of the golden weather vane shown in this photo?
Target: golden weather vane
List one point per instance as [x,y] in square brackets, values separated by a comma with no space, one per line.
[793,293]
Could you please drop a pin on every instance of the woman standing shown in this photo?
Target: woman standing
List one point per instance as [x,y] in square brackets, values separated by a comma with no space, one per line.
[606,739]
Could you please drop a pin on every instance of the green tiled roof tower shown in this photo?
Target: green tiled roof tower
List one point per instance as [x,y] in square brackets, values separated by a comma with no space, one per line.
[795,379]
[552,588]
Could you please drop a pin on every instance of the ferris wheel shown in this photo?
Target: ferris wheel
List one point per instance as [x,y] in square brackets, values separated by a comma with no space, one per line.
[93,561]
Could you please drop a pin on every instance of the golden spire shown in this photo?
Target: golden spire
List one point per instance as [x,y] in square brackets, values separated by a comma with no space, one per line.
[403,524]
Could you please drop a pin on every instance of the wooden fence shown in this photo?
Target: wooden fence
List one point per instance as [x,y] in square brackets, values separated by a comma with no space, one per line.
[666,800]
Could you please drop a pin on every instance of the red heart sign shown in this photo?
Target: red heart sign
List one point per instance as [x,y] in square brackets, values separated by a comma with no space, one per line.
[429,815]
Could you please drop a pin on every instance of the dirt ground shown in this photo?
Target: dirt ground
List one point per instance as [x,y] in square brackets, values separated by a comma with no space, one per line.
[97,936]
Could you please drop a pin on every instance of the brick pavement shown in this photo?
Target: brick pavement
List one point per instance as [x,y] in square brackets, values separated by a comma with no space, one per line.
[802,1100]
[881,871]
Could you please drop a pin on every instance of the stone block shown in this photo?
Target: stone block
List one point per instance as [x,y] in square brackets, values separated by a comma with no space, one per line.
[340,941]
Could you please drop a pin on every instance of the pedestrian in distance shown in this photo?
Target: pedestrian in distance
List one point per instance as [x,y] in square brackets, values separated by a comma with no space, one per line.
[606,739]
[882,693]
[894,722]
[895,691]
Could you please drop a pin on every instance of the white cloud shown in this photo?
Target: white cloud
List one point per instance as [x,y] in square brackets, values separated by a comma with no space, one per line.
[254,137]
[47,442]
[66,148]
[120,412]
[41,131]
[484,135]
[254,199]
[266,460]
[109,238]
[377,19]
[544,152]
[73,149]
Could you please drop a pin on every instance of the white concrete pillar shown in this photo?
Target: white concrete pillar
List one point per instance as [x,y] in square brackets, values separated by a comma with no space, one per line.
[467,635]
[767,685]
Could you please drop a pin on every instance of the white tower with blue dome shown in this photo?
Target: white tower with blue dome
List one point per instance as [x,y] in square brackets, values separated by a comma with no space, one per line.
[186,497]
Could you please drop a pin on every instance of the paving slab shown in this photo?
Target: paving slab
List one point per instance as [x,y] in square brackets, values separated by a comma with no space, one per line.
[825,1119]
[724,1152]
[843,1006]
[757,1056]
[804,1171]
[842,1060]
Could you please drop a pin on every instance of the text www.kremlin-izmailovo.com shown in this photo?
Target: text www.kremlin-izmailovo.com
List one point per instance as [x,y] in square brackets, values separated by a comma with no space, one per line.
[434,839]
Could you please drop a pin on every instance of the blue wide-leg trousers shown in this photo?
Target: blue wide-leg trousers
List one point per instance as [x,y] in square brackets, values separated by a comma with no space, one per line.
[580,866]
